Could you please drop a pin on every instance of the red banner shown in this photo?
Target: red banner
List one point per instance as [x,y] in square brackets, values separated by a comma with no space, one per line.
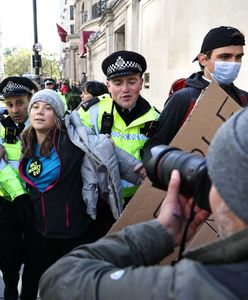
[62,33]
[84,36]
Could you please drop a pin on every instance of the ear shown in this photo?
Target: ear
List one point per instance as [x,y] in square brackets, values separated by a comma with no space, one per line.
[202,58]
[107,84]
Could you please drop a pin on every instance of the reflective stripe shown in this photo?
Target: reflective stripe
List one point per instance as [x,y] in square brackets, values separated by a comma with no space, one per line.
[129,136]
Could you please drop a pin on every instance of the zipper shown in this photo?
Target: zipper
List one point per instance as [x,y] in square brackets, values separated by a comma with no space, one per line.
[67,221]
[43,215]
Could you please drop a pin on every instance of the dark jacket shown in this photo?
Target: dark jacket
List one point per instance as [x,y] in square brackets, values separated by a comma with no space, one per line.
[123,266]
[60,211]
[180,104]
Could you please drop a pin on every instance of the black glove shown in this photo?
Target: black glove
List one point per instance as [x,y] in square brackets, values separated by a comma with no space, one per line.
[24,210]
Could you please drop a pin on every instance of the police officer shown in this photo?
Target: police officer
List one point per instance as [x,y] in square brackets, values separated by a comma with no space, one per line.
[50,84]
[15,208]
[126,116]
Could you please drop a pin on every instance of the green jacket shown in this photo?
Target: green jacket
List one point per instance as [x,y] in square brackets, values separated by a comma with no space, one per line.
[125,266]
[11,185]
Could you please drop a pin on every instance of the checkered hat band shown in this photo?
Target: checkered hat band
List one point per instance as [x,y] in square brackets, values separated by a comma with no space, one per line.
[121,65]
[12,87]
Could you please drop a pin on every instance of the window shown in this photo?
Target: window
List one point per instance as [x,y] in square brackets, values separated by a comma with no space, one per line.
[72,29]
[120,38]
[147,80]
[84,16]
[99,8]
[71,12]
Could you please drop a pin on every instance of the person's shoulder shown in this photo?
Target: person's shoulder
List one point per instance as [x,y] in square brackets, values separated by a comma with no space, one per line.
[86,105]
[183,96]
[241,91]
[6,121]
[243,95]
[105,98]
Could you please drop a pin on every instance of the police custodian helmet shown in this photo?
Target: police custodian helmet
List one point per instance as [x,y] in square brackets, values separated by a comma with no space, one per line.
[123,63]
[17,86]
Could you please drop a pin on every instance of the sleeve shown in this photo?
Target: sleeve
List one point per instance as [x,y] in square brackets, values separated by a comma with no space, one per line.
[170,120]
[120,266]
[11,183]
[90,191]
[127,163]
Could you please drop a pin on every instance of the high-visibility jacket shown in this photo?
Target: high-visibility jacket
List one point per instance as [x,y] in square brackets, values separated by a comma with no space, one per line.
[63,98]
[130,138]
[11,185]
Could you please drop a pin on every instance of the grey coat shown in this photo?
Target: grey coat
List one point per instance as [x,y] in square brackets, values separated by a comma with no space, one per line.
[103,166]
[123,266]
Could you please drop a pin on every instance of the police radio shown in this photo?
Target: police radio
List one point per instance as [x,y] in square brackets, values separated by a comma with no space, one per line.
[107,121]
[10,136]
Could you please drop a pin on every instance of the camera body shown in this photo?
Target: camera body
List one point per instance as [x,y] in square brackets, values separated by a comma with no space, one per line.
[195,182]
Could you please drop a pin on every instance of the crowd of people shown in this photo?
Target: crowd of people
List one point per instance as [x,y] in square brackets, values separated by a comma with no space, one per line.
[70,162]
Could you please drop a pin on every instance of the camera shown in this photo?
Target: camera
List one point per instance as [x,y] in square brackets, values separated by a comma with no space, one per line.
[195,182]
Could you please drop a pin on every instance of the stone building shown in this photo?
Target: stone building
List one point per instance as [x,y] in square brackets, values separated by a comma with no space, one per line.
[168,33]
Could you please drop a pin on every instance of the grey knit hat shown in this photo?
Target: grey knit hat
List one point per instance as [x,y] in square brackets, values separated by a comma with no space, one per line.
[51,97]
[227,163]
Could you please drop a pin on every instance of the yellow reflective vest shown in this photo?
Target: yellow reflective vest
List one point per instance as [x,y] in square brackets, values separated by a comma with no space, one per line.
[128,138]
[11,185]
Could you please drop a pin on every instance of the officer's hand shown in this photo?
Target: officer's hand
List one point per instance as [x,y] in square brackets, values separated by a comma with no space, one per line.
[175,211]
[109,137]
[24,210]
[3,154]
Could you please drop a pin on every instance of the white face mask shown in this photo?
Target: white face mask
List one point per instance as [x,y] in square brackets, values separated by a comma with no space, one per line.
[225,72]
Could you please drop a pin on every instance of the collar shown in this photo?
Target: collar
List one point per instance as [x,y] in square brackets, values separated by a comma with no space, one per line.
[205,78]
[141,107]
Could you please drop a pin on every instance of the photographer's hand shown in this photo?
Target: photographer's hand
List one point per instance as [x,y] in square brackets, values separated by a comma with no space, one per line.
[175,211]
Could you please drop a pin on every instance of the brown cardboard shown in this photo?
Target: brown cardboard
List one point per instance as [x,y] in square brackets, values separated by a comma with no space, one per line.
[214,106]
[212,109]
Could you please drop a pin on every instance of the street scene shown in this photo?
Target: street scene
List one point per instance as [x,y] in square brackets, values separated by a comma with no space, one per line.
[123,150]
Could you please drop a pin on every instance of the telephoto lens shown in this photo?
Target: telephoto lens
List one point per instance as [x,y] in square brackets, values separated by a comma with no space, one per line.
[195,182]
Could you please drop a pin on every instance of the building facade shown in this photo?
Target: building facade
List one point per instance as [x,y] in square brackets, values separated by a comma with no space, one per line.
[168,33]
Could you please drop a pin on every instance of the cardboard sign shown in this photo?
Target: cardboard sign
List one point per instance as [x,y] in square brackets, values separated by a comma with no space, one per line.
[214,106]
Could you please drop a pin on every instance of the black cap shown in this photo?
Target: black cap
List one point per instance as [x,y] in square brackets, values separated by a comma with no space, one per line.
[222,36]
[123,63]
[16,86]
